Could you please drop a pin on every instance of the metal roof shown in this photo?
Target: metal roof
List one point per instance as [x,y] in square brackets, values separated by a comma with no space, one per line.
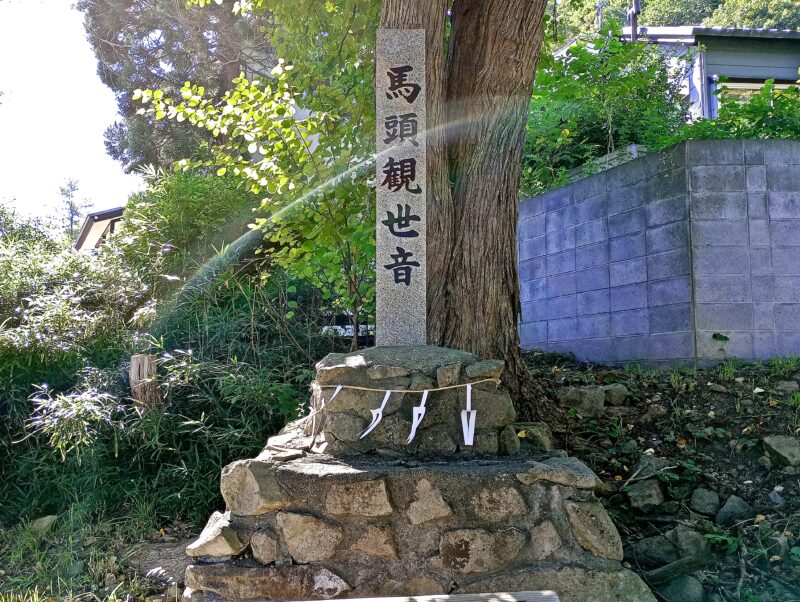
[95,225]
[688,34]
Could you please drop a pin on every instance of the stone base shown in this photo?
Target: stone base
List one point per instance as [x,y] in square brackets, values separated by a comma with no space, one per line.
[317,527]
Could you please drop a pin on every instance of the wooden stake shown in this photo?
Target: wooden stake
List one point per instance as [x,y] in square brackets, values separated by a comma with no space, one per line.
[144,381]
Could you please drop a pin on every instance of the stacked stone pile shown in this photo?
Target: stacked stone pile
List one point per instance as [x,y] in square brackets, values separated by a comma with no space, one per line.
[323,513]
[318,527]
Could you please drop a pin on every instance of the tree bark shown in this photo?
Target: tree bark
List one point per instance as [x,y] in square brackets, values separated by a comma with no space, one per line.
[477,108]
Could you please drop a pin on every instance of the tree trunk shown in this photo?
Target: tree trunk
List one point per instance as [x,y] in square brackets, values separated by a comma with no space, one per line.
[477,110]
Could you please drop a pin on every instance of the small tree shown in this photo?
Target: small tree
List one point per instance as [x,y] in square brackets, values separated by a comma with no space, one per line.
[72,209]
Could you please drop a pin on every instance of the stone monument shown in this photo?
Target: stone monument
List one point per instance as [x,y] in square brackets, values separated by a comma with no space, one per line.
[406,476]
[400,170]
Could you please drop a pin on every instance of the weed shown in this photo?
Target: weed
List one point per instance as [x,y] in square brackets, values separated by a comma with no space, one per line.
[784,367]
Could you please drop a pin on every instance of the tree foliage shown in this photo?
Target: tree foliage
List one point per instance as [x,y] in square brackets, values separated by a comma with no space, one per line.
[72,209]
[302,139]
[676,12]
[772,14]
[158,43]
[600,95]
[769,113]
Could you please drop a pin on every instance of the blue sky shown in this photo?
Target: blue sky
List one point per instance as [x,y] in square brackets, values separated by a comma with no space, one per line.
[53,111]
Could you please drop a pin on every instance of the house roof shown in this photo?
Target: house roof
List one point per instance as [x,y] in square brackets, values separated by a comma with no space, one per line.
[95,226]
[688,34]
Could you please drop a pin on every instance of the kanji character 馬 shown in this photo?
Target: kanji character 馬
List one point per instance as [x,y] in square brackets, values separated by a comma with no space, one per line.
[399,86]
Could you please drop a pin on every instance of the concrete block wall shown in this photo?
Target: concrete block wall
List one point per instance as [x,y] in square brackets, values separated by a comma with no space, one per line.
[648,261]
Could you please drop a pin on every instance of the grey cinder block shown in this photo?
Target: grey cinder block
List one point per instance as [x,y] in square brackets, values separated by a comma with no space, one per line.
[592,279]
[591,232]
[785,233]
[763,287]
[590,187]
[533,290]
[669,291]
[558,197]
[634,348]
[720,233]
[560,240]
[560,263]
[562,330]
[594,350]
[782,178]
[721,260]
[560,218]
[759,232]
[785,260]
[593,302]
[595,326]
[783,205]
[560,285]
[764,345]
[591,255]
[724,316]
[531,227]
[534,311]
[632,296]
[714,152]
[627,247]
[721,288]
[781,152]
[787,342]
[533,334]
[667,185]
[628,272]
[530,269]
[716,178]
[756,178]
[666,211]
[757,205]
[625,199]
[787,316]
[668,264]
[718,205]
[530,207]
[784,289]
[561,307]
[627,222]
[671,318]
[753,152]
[667,238]
[760,260]
[739,344]
[763,316]
[636,321]
[592,208]
[533,247]
[671,345]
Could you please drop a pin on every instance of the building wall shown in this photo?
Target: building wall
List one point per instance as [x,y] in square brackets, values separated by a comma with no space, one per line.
[758,59]
[649,260]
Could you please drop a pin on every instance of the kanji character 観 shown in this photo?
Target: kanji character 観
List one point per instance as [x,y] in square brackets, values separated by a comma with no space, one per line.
[400,225]
[401,268]
[401,174]
[399,86]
